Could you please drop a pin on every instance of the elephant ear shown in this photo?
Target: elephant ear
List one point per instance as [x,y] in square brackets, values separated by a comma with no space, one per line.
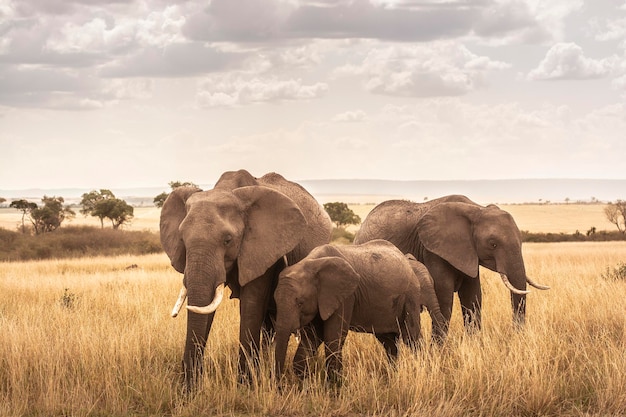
[274,226]
[446,231]
[337,281]
[172,214]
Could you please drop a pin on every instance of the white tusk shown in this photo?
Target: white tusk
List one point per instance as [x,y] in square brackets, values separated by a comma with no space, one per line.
[508,284]
[538,286]
[179,303]
[219,294]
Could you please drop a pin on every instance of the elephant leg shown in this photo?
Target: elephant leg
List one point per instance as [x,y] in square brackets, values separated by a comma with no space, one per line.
[335,332]
[253,305]
[390,343]
[310,340]
[470,296]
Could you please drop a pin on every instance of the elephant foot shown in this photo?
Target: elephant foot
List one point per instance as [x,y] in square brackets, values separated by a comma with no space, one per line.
[245,380]
[191,379]
[247,369]
[334,381]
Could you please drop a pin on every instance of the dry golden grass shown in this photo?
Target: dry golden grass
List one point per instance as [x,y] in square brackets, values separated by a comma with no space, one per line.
[107,346]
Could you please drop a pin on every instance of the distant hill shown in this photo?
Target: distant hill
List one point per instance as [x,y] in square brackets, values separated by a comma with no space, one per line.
[374,191]
[482,191]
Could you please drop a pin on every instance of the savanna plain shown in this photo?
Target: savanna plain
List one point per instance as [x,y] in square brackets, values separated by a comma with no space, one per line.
[93,337]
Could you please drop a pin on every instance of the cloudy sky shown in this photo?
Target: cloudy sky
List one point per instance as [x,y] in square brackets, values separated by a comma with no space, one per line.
[120,93]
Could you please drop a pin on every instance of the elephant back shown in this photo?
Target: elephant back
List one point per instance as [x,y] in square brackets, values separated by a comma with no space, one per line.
[319,225]
[396,221]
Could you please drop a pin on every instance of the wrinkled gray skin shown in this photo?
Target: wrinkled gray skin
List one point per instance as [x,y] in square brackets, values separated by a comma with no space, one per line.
[370,288]
[452,236]
[237,233]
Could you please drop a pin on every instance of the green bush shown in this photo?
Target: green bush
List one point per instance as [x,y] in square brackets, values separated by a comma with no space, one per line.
[341,236]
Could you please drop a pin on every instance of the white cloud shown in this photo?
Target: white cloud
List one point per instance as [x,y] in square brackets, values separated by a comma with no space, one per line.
[614,29]
[161,29]
[90,36]
[426,70]
[619,84]
[251,21]
[568,61]
[133,88]
[552,14]
[158,29]
[234,91]
[350,116]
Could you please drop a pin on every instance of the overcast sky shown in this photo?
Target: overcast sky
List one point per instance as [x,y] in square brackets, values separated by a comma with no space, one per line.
[120,93]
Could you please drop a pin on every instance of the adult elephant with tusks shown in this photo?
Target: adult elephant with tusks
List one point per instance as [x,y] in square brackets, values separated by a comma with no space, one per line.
[452,236]
[240,234]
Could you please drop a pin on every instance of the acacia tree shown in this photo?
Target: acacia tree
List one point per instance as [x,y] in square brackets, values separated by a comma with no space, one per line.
[90,201]
[50,216]
[159,200]
[341,214]
[116,210]
[104,205]
[616,214]
[25,207]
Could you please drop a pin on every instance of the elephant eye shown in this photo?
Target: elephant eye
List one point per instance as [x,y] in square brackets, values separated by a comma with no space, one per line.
[227,240]
[494,245]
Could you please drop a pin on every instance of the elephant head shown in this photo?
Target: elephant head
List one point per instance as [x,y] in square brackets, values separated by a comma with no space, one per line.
[311,286]
[469,235]
[209,235]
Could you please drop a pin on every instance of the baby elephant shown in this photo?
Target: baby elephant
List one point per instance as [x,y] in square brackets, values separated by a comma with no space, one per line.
[370,288]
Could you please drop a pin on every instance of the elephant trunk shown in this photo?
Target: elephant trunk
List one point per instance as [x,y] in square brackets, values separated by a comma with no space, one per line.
[282,341]
[510,286]
[198,326]
[210,308]
[515,281]
[200,279]
[438,321]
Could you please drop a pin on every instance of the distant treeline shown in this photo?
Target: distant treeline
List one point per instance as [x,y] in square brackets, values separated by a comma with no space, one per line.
[79,241]
[76,241]
[589,236]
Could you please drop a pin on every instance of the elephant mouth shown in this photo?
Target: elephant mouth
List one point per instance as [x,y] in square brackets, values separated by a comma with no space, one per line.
[208,309]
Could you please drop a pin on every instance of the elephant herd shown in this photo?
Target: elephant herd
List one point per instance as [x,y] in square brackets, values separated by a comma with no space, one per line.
[267,239]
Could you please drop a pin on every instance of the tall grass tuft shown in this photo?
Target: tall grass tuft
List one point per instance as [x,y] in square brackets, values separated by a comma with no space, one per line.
[91,337]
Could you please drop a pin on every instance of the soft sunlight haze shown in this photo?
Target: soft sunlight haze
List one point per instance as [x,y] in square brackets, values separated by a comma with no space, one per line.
[106,94]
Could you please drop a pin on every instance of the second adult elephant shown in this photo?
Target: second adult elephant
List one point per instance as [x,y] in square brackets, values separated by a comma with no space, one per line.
[239,234]
[452,236]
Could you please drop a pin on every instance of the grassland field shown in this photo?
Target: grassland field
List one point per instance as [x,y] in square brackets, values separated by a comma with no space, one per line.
[90,337]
